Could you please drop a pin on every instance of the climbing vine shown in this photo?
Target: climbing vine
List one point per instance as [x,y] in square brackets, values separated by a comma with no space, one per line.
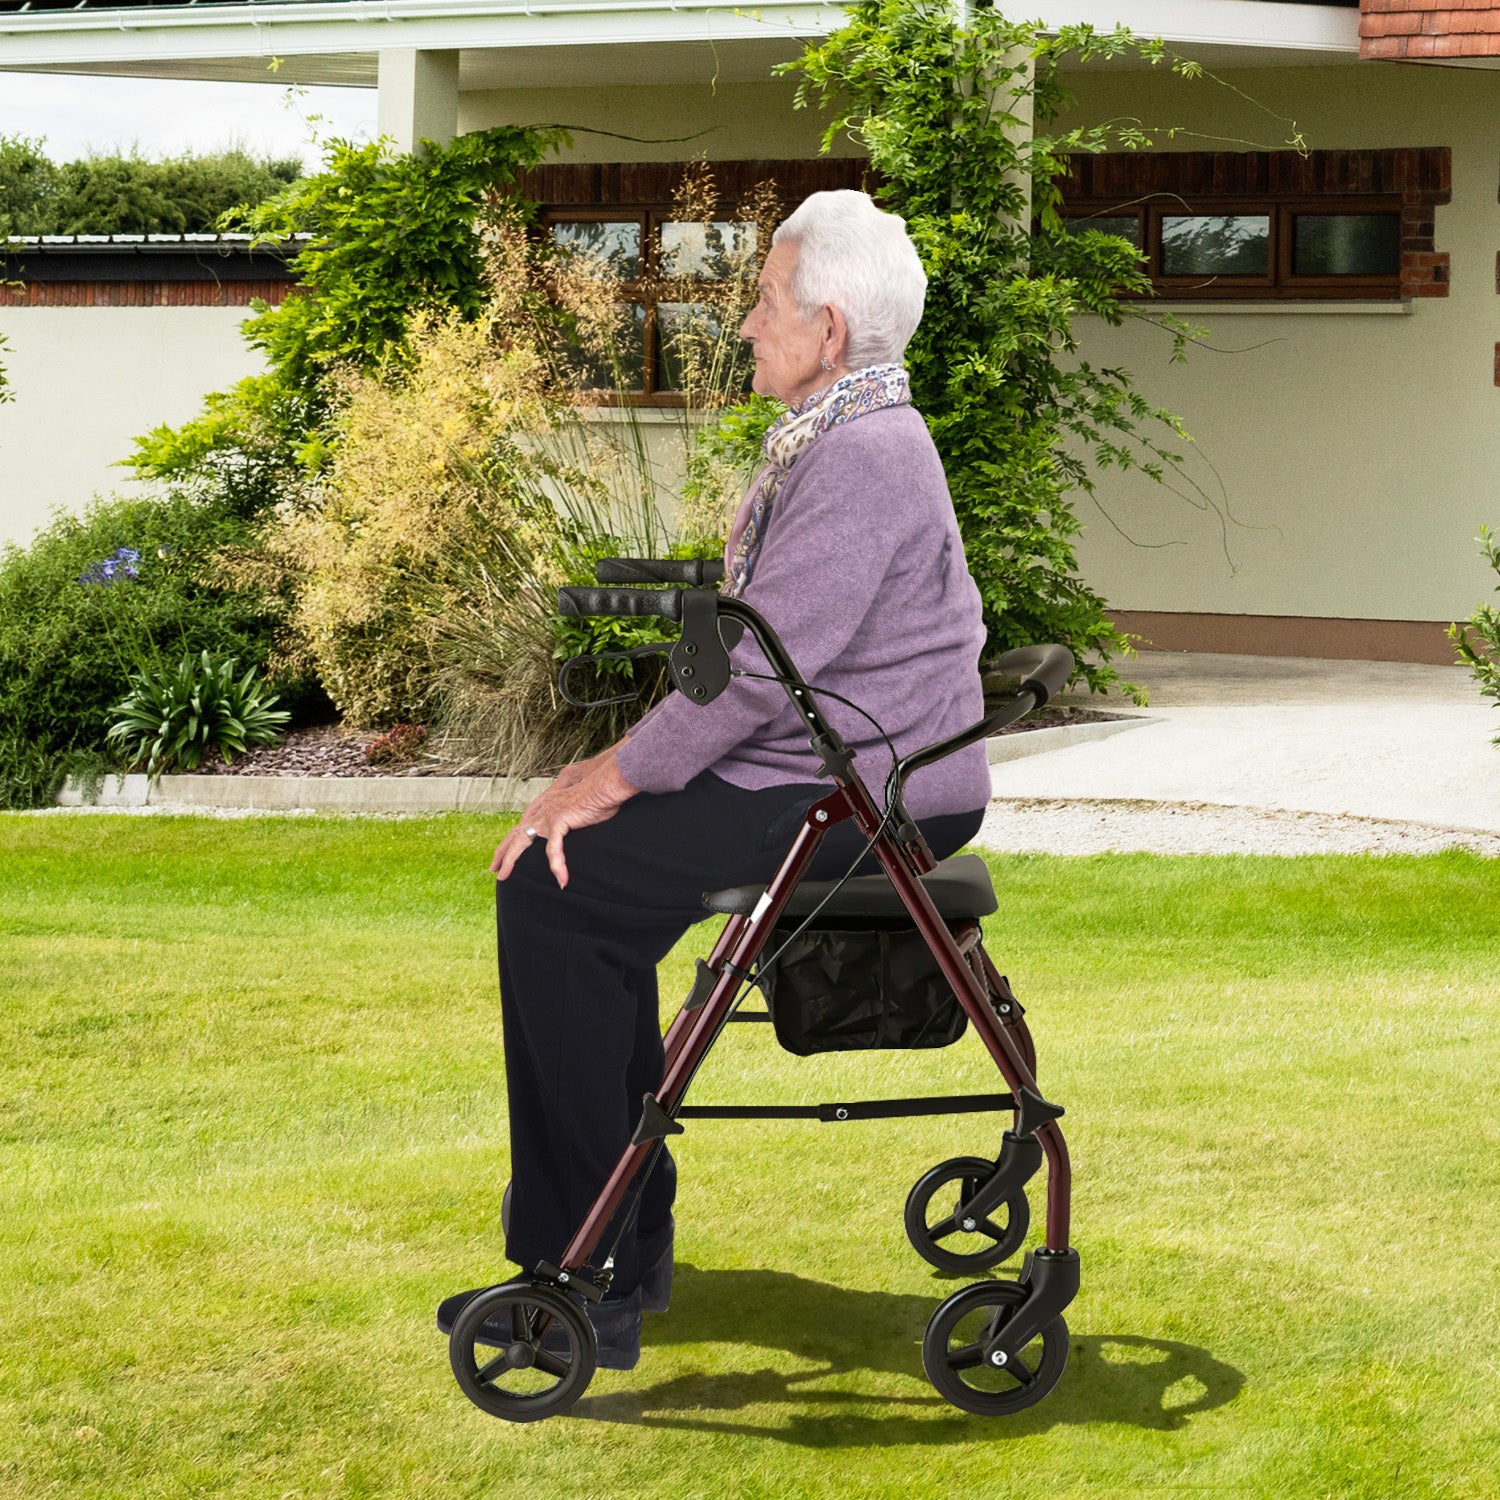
[955,113]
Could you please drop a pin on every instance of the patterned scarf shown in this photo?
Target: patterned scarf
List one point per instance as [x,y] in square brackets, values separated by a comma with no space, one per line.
[787,438]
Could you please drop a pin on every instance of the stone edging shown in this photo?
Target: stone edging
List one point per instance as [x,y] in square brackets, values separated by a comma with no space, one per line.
[438,794]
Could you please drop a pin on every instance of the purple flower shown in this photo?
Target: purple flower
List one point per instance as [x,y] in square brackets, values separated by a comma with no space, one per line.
[123,564]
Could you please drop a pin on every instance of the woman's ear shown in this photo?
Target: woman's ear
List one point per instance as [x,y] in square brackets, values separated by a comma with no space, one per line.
[835,337]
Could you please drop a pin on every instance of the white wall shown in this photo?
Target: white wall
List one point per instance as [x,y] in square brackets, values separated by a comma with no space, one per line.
[87,380]
[1361,453]
[725,121]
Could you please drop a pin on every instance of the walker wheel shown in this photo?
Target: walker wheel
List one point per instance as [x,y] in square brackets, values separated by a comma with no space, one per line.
[953,1354]
[937,1235]
[522,1351]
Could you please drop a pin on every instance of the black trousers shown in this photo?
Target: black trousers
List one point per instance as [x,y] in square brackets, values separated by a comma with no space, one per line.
[578,988]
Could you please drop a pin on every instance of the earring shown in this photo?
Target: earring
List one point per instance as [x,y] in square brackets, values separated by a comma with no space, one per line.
[824,363]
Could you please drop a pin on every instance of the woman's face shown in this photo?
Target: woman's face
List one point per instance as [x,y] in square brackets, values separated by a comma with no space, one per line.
[789,353]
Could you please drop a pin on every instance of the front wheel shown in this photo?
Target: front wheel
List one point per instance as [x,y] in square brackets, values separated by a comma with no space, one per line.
[522,1351]
[954,1357]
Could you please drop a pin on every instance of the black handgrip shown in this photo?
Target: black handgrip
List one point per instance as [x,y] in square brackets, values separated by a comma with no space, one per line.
[694,572]
[1046,669]
[664,603]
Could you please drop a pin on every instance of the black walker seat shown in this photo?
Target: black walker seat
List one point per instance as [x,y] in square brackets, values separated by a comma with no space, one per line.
[995,1347]
[960,889]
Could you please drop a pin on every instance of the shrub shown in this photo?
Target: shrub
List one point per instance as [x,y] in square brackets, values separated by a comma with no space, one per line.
[69,639]
[172,717]
[1477,640]
[113,193]
[392,236]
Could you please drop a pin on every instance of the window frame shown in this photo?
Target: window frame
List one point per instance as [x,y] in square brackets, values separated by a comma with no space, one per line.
[1280,283]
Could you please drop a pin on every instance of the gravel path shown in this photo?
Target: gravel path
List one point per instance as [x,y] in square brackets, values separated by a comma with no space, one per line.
[1025,825]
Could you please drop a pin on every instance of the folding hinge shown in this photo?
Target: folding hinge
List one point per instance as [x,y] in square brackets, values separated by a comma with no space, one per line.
[656,1124]
[1032,1111]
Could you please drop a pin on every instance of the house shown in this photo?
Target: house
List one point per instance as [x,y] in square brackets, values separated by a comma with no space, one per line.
[1343,401]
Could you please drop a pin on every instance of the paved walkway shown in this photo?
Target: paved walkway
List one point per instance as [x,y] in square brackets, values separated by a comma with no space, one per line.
[1315,754]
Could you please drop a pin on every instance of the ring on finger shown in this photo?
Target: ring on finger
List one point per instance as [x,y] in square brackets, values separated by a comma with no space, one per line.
[531,833]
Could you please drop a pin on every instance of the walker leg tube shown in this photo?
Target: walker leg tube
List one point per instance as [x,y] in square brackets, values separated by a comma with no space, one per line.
[735,952]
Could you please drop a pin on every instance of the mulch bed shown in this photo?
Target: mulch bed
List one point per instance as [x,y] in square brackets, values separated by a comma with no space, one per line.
[331,750]
[324,750]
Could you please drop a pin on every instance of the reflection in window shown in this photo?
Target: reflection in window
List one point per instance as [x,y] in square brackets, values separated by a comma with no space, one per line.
[623,365]
[1216,245]
[1126,226]
[615,248]
[706,252]
[690,341]
[1346,244]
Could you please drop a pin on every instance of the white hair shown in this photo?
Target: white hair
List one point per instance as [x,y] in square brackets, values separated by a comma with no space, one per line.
[855,257]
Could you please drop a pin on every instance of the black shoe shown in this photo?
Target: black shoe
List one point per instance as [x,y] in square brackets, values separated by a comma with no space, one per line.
[656,1278]
[617,1332]
[617,1327]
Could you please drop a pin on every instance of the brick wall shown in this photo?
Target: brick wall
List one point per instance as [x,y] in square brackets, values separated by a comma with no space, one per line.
[1418,30]
[141,293]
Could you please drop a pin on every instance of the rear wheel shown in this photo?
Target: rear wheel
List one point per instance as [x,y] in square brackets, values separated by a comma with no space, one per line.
[963,1244]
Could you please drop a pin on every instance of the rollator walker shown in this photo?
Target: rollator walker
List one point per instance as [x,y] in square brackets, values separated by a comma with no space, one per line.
[993,1348]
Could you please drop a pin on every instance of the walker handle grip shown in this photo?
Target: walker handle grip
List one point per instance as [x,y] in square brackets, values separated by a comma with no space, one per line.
[1044,669]
[695,572]
[666,604]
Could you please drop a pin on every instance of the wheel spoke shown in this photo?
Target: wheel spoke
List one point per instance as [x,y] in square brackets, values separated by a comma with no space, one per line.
[965,1358]
[497,1366]
[1020,1371]
[520,1324]
[992,1229]
[943,1228]
[553,1364]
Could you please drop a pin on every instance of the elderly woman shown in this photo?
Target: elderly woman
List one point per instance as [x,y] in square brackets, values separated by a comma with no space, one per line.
[847,544]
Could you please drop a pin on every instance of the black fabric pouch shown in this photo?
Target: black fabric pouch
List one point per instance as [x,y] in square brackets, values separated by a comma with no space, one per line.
[844,990]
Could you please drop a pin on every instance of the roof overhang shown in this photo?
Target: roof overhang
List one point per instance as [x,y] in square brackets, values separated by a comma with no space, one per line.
[552,43]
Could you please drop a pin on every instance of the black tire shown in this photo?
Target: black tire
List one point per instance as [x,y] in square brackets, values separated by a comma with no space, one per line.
[954,1363]
[931,1221]
[522,1381]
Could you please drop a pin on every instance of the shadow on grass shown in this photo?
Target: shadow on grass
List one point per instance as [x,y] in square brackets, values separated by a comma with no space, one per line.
[1151,1383]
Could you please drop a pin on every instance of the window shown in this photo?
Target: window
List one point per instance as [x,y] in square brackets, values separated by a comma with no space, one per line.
[1351,225]
[651,260]
[668,273]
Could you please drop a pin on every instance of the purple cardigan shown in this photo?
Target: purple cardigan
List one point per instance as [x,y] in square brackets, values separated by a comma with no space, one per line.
[862,574]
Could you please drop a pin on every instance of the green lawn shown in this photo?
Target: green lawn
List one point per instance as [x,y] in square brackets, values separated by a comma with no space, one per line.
[252,1128]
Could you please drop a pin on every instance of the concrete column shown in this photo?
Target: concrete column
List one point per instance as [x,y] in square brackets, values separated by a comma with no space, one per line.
[418,97]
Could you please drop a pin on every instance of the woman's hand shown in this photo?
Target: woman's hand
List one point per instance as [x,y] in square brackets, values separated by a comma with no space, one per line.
[591,792]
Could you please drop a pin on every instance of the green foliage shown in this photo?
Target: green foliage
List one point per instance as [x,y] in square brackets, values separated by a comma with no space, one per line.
[1019,419]
[68,646]
[1477,640]
[172,717]
[730,444]
[392,236]
[27,178]
[111,193]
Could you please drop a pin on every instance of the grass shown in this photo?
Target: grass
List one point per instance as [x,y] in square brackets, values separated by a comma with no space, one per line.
[252,1128]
